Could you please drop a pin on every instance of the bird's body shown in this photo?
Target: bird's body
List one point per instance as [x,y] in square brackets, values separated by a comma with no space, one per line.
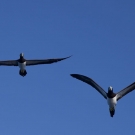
[22,66]
[22,63]
[110,96]
[112,102]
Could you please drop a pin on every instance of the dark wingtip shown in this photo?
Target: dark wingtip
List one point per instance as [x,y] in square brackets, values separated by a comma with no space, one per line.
[74,75]
[65,58]
[68,56]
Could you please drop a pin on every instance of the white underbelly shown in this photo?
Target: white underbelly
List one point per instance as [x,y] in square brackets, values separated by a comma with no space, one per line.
[22,65]
[112,102]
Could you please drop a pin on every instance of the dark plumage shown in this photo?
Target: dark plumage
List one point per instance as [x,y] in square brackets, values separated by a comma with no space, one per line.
[22,62]
[111,97]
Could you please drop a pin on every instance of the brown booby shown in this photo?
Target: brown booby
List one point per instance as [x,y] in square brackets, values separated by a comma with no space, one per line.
[111,97]
[22,63]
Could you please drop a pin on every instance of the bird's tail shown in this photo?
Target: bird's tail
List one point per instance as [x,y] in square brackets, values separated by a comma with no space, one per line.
[23,73]
[112,111]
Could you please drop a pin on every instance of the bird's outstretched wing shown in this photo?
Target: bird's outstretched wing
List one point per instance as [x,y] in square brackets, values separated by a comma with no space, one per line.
[9,63]
[45,61]
[125,91]
[90,82]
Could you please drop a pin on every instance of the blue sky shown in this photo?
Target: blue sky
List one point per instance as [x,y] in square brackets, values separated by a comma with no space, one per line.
[99,35]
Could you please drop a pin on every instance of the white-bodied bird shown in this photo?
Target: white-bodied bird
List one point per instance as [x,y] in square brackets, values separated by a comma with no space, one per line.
[111,97]
[22,63]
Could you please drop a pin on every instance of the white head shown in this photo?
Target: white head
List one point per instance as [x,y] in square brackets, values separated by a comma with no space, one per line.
[110,88]
[21,55]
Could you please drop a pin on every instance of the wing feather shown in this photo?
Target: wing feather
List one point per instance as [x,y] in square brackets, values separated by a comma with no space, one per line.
[125,91]
[45,61]
[9,63]
[90,82]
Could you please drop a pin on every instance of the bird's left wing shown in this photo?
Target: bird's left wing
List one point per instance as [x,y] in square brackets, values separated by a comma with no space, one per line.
[9,63]
[90,82]
[45,61]
[125,91]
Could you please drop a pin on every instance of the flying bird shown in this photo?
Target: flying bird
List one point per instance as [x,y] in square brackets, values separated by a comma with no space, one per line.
[22,63]
[110,96]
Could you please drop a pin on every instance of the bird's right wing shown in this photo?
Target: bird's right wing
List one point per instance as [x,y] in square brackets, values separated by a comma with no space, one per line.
[9,63]
[90,82]
[45,61]
[125,91]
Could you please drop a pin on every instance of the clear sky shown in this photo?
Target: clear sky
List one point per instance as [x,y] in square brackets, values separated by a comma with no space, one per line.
[100,34]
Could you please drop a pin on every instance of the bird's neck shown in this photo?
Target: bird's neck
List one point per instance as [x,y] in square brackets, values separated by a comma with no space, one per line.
[21,57]
[110,92]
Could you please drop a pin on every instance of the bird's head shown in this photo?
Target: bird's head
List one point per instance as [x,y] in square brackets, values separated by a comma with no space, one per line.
[21,55]
[110,89]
